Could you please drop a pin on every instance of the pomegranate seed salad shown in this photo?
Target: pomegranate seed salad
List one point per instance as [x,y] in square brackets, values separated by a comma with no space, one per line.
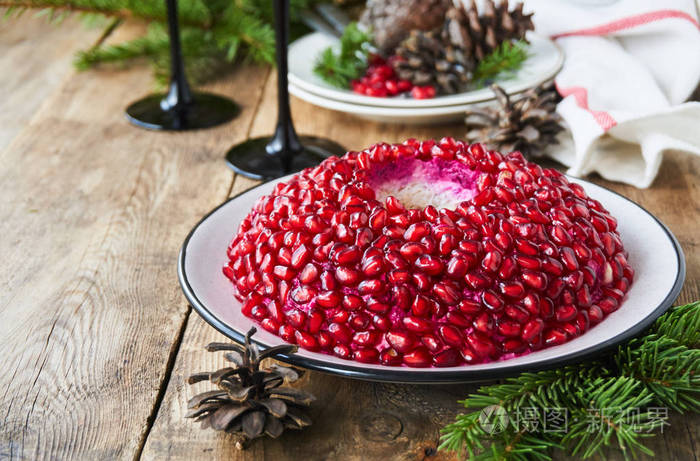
[428,254]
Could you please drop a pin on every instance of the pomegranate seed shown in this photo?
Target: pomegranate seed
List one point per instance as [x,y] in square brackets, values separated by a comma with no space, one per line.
[421,281]
[531,330]
[508,269]
[450,335]
[381,322]
[296,318]
[470,307]
[608,304]
[325,340]
[353,302]
[565,312]
[526,247]
[447,358]
[446,293]
[423,92]
[270,325]
[512,345]
[308,274]
[377,306]
[417,231]
[457,268]
[284,273]
[288,333]
[554,337]
[347,276]
[371,286]
[512,289]
[303,294]
[411,251]
[366,338]
[402,341]
[421,306]
[491,300]
[373,266]
[595,314]
[342,351]
[416,324]
[483,322]
[306,340]
[481,345]
[341,333]
[300,256]
[492,261]
[457,319]
[509,328]
[536,280]
[390,356]
[367,355]
[476,281]
[418,358]
[339,316]
[328,299]
[528,262]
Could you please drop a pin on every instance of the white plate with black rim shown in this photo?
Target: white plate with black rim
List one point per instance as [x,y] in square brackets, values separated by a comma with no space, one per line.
[544,61]
[654,253]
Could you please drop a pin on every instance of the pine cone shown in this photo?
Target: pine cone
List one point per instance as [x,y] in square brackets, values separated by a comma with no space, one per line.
[445,58]
[424,59]
[249,401]
[528,124]
[391,20]
[478,34]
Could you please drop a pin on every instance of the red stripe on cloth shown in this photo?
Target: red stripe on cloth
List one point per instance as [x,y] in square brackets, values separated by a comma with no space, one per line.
[631,21]
[580,94]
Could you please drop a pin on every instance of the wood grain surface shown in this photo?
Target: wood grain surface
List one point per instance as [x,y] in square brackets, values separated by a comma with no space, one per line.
[96,338]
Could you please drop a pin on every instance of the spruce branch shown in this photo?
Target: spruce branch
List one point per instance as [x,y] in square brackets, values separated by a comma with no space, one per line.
[610,402]
[339,66]
[215,33]
[501,62]
[680,324]
[193,12]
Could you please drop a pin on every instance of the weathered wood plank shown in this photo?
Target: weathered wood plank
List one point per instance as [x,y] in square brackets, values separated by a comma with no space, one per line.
[35,58]
[94,213]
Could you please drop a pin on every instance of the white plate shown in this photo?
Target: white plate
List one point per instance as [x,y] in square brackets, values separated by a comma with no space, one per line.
[654,254]
[408,116]
[544,61]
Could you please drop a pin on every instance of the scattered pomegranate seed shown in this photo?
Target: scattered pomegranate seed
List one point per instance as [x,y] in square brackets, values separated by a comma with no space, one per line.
[380,80]
[328,263]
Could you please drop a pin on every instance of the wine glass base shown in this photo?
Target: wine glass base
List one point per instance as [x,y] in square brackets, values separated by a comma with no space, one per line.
[206,110]
[251,160]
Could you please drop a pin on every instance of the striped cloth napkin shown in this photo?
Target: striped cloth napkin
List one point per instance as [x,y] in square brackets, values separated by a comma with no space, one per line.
[629,67]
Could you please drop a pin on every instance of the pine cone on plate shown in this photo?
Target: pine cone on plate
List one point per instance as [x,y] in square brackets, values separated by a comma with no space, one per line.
[478,33]
[528,123]
[425,59]
[446,57]
[391,20]
[250,402]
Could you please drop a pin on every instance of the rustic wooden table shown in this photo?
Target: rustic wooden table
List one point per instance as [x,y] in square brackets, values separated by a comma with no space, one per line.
[96,338]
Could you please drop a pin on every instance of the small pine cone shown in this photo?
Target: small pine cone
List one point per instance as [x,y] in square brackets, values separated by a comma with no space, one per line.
[528,124]
[424,59]
[391,20]
[250,401]
[479,33]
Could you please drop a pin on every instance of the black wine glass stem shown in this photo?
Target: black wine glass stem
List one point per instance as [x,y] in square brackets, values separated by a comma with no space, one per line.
[179,93]
[285,142]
